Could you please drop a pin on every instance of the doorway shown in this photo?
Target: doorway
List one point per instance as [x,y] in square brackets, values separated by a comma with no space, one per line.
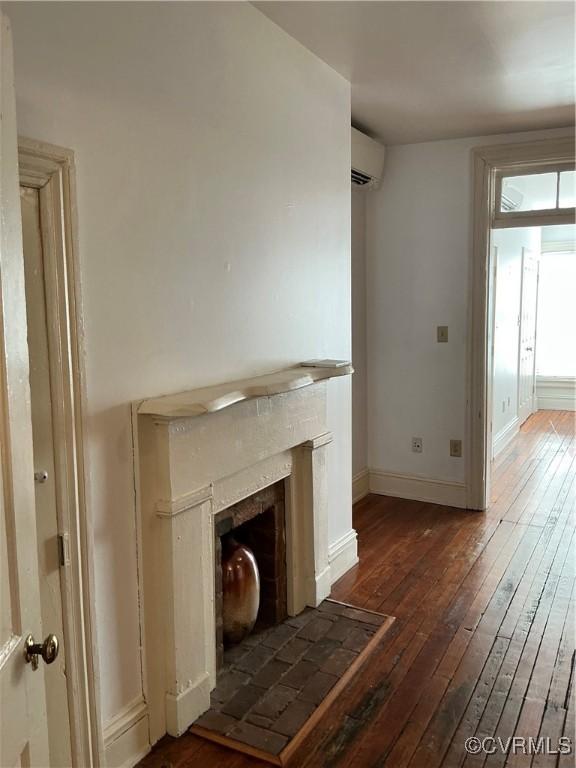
[515,186]
[533,352]
[56,392]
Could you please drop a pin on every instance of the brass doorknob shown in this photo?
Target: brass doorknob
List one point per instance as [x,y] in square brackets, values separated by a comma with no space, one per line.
[48,650]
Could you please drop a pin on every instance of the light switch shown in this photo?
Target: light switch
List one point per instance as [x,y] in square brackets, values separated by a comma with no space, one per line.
[442,333]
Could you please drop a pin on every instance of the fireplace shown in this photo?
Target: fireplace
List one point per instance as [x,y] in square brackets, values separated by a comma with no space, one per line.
[259,523]
[250,453]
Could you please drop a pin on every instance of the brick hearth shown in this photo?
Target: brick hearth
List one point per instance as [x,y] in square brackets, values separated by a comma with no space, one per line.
[274,680]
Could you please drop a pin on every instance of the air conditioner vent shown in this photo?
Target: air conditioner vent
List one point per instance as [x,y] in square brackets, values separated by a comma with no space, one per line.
[511,199]
[367,160]
[360,178]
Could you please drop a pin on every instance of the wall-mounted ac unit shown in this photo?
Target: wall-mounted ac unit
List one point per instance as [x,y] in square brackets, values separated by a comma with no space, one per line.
[511,199]
[367,159]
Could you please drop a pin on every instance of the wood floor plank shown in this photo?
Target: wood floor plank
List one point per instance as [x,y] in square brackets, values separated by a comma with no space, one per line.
[432,750]
[567,757]
[378,739]
[512,710]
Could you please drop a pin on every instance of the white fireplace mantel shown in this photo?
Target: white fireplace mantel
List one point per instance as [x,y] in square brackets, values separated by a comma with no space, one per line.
[197,402]
[198,453]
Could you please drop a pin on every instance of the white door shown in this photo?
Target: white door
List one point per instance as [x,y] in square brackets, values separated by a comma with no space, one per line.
[23,722]
[527,343]
[47,528]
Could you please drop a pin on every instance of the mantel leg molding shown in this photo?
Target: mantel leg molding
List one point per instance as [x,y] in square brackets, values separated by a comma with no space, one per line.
[188,547]
[311,569]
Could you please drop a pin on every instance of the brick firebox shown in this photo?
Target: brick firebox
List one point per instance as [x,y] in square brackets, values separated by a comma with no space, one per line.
[259,522]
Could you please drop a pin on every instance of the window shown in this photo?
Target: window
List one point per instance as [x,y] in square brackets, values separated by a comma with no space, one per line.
[532,192]
[555,348]
[567,189]
[545,197]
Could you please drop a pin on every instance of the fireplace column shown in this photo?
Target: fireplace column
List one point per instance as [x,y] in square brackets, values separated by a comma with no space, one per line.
[187,556]
[307,526]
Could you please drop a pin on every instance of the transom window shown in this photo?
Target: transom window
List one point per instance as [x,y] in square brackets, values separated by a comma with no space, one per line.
[547,196]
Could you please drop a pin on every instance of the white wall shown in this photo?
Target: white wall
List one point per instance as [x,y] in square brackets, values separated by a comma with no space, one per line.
[359,381]
[508,244]
[419,246]
[213,166]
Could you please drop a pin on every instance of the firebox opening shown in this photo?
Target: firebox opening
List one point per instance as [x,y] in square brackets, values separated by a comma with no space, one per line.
[257,522]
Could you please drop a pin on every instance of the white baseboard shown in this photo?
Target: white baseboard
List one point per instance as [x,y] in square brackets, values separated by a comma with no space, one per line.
[343,555]
[360,487]
[446,492]
[321,586]
[126,736]
[555,393]
[556,404]
[501,440]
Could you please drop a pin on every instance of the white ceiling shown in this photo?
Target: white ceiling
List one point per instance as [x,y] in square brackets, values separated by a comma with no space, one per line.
[432,70]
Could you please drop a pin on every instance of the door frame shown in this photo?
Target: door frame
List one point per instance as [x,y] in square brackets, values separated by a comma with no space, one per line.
[489,163]
[50,170]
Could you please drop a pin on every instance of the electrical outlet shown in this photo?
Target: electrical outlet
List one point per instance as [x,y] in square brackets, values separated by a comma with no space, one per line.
[456,448]
[442,333]
[417,445]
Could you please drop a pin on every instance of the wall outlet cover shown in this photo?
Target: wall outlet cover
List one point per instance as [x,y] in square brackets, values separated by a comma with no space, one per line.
[417,445]
[456,448]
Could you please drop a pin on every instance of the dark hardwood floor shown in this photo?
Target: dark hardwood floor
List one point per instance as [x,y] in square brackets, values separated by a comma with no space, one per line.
[484,639]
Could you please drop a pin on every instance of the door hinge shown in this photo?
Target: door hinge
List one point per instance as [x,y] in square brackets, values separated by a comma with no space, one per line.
[63,549]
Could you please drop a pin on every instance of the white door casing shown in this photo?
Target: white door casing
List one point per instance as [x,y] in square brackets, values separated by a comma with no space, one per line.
[48,171]
[23,723]
[527,336]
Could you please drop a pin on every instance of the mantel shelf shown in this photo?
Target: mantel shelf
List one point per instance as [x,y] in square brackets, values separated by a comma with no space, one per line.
[197,402]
